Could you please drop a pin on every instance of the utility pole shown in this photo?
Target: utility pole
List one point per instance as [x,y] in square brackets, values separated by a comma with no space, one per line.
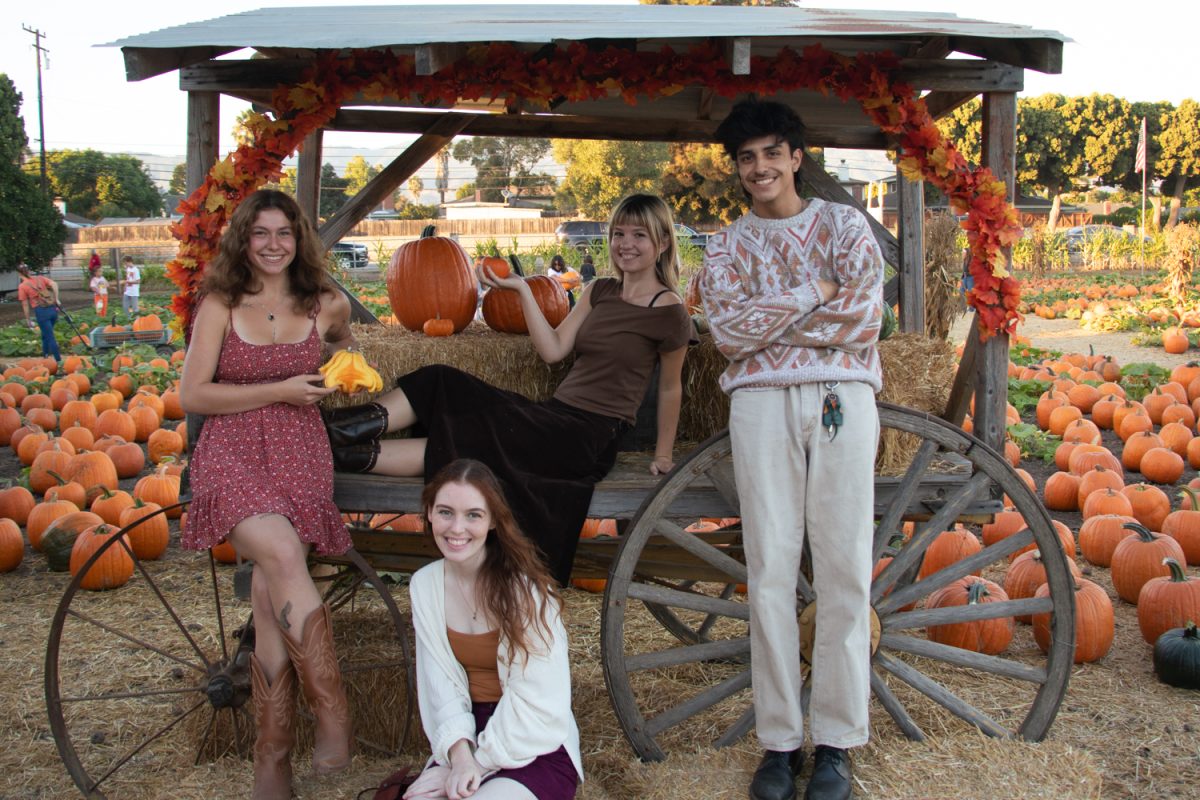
[39,50]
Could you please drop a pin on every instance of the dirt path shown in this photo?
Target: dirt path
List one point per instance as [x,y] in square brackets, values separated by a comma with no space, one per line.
[1067,336]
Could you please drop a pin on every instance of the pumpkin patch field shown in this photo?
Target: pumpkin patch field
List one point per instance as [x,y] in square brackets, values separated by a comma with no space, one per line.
[1109,444]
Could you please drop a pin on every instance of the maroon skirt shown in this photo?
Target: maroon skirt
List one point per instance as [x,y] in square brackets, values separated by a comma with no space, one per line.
[547,455]
[551,776]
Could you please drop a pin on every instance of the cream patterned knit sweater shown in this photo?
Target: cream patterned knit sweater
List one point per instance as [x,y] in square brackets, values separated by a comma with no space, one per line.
[759,285]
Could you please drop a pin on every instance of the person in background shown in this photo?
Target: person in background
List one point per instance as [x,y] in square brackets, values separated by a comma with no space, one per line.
[132,284]
[587,270]
[567,278]
[493,679]
[99,286]
[548,455]
[793,291]
[267,308]
[94,261]
[39,296]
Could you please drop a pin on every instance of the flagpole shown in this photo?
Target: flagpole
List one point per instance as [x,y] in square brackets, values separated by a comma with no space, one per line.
[1142,238]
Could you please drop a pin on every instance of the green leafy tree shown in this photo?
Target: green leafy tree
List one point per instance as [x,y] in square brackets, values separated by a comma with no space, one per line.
[415,187]
[465,191]
[31,229]
[599,173]
[1108,132]
[287,181]
[700,183]
[178,184]
[964,127]
[1179,157]
[358,174]
[333,191]
[96,184]
[241,134]
[505,164]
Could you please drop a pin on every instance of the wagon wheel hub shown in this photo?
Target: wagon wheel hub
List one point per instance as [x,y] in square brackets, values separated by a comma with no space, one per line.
[228,685]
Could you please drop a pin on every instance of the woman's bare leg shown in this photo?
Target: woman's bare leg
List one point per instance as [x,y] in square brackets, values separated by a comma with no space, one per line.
[401,457]
[400,411]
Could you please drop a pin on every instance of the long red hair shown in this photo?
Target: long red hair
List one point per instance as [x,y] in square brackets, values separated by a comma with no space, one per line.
[512,577]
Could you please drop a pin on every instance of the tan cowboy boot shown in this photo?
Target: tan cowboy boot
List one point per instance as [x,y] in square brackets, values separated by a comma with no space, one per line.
[321,681]
[274,715]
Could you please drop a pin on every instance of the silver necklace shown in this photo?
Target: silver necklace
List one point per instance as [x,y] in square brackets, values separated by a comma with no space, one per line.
[269,311]
[463,595]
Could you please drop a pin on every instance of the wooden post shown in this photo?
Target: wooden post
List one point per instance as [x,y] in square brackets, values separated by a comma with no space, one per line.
[911,195]
[203,136]
[999,150]
[308,175]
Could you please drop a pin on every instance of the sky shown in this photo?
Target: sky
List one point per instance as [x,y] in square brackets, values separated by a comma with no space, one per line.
[1147,55]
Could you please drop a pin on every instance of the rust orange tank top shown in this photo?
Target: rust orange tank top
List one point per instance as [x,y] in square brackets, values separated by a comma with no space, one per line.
[477,654]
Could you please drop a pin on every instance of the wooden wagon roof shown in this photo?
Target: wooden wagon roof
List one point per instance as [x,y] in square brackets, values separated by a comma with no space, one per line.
[437,34]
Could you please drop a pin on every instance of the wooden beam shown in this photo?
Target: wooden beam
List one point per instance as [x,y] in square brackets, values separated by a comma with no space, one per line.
[308,174]
[737,51]
[146,62]
[203,136]
[1044,55]
[911,196]
[933,47]
[826,187]
[264,74]
[431,58]
[960,74]
[999,152]
[704,107]
[942,103]
[563,126]
[963,387]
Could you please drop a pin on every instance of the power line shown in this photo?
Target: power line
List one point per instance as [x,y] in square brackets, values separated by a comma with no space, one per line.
[38,50]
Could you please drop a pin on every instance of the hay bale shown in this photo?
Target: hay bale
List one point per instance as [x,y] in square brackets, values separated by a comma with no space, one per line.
[917,372]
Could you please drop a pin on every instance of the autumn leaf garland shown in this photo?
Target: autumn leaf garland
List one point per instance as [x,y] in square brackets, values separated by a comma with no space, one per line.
[577,73]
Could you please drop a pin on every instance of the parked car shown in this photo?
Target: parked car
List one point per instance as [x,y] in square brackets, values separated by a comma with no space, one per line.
[686,234]
[582,234]
[351,255]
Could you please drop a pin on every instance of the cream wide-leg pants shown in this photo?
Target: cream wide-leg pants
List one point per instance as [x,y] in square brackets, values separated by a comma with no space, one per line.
[794,482]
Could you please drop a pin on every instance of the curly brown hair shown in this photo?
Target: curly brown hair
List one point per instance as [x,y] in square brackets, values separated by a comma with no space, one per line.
[229,274]
[512,576]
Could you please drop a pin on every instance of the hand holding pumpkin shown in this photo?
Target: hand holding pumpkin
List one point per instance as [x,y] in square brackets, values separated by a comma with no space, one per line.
[490,278]
[348,370]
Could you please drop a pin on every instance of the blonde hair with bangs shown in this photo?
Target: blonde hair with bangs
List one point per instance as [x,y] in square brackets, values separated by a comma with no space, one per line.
[650,212]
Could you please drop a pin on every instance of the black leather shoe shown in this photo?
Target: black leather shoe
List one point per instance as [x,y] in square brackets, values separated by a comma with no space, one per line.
[356,457]
[775,778]
[831,775]
[355,424]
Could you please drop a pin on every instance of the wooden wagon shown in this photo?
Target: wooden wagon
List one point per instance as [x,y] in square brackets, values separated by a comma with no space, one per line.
[686,583]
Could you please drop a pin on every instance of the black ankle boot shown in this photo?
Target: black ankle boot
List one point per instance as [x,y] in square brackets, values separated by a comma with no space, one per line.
[831,775]
[775,778]
[356,457]
[349,426]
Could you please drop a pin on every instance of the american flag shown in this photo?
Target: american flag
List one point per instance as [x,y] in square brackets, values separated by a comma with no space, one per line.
[1139,165]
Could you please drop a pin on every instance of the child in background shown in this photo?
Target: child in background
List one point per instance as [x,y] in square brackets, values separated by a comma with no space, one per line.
[99,287]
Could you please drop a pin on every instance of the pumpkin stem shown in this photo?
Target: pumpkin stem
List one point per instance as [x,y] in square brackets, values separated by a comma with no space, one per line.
[1189,630]
[1141,530]
[1190,493]
[516,264]
[429,231]
[61,480]
[976,592]
[1177,573]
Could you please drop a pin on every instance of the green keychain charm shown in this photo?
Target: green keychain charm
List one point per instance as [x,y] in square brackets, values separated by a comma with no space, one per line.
[831,411]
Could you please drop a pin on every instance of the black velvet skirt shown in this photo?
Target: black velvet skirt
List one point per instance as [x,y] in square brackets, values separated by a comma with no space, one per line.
[547,455]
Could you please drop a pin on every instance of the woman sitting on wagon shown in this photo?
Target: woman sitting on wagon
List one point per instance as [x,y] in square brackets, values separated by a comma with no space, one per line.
[493,682]
[548,455]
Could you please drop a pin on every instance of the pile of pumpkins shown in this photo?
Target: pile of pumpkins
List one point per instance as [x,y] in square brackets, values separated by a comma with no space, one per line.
[432,288]
[78,443]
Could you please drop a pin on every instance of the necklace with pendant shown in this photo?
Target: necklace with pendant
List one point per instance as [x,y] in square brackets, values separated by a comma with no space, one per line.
[269,311]
[467,603]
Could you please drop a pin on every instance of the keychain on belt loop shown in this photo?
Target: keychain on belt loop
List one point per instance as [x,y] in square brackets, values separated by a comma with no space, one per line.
[831,410]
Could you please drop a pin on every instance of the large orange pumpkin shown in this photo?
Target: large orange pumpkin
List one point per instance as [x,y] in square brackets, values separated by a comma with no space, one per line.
[12,545]
[1139,557]
[111,570]
[1167,602]
[150,536]
[15,503]
[1094,625]
[990,636]
[161,488]
[94,470]
[431,278]
[502,308]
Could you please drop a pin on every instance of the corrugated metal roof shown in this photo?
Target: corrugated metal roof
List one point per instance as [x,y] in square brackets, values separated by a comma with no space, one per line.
[337,27]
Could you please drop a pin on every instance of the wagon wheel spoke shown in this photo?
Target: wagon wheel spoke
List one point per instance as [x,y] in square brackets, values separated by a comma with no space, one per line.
[121,761]
[721,475]
[693,601]
[697,703]
[940,694]
[740,727]
[895,708]
[906,490]
[991,554]
[967,613]
[964,658]
[84,617]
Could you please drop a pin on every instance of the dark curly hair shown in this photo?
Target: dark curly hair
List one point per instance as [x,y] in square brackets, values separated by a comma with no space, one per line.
[230,276]
[511,570]
[750,119]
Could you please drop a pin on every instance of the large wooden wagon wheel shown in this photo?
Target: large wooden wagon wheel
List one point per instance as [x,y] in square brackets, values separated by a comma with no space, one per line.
[141,678]
[695,689]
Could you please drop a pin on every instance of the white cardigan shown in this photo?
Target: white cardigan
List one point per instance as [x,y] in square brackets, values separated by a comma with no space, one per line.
[533,716]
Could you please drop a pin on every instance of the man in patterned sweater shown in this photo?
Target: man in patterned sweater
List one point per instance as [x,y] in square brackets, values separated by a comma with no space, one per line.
[793,294]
